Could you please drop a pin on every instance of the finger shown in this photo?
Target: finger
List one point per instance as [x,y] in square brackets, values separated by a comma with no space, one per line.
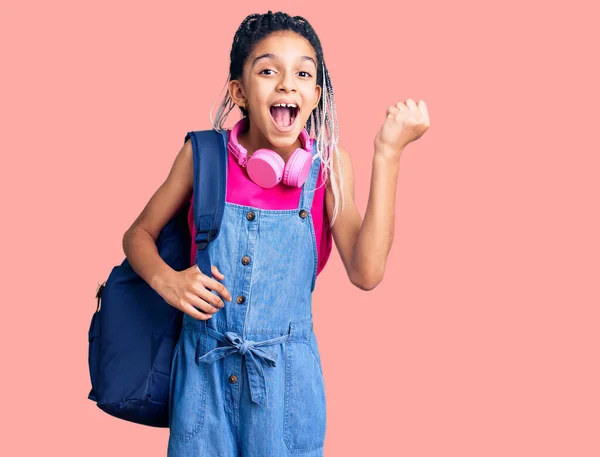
[424,112]
[401,106]
[213,270]
[207,295]
[413,108]
[216,271]
[392,111]
[205,302]
[217,286]
[189,309]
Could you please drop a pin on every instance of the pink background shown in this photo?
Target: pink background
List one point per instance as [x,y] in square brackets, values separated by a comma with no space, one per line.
[483,338]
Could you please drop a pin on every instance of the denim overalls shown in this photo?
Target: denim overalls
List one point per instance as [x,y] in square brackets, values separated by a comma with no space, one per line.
[248,382]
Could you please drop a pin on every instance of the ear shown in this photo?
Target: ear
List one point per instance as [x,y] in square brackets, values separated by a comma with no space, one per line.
[236,92]
[317,96]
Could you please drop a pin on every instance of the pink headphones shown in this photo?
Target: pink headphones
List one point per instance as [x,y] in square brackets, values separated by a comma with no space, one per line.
[266,168]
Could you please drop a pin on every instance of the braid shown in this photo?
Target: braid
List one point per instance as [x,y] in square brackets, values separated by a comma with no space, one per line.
[323,120]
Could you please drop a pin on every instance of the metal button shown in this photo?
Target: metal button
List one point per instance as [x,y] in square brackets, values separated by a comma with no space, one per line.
[303,213]
[233,379]
[245,260]
[241,299]
[250,215]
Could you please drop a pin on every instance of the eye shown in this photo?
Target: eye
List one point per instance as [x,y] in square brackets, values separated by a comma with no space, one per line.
[309,75]
[266,69]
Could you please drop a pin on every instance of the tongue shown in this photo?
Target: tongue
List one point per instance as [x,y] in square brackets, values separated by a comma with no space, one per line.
[282,115]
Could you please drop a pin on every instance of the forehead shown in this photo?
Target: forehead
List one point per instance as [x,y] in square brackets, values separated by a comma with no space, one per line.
[285,45]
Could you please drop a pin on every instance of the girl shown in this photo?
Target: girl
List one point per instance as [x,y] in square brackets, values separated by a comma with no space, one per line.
[246,377]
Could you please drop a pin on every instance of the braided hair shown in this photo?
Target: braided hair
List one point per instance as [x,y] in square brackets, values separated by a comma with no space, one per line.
[323,120]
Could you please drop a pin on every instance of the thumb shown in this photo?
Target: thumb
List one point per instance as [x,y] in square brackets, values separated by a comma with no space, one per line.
[215,270]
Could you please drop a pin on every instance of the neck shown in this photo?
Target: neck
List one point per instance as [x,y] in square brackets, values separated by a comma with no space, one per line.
[252,139]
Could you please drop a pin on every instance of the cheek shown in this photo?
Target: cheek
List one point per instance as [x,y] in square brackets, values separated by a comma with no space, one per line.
[261,101]
[311,94]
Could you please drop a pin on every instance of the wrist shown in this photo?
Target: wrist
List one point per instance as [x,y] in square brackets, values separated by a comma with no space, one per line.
[388,154]
[160,279]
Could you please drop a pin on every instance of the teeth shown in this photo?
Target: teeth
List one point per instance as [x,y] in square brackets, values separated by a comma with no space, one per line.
[287,105]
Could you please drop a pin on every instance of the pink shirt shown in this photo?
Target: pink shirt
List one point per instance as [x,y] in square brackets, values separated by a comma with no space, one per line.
[243,191]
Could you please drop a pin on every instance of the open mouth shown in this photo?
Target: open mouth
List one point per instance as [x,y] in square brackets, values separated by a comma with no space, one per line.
[284,116]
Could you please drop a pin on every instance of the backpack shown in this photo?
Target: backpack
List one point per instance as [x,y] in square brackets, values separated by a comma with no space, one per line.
[133,330]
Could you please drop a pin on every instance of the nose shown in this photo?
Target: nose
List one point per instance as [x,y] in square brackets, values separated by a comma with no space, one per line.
[286,83]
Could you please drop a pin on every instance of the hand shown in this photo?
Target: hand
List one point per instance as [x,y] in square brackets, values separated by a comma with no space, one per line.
[188,289]
[404,123]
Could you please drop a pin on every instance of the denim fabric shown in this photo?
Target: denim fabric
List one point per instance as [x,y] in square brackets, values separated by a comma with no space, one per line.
[276,407]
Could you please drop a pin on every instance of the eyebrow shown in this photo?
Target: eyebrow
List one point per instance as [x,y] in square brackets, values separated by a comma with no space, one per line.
[269,55]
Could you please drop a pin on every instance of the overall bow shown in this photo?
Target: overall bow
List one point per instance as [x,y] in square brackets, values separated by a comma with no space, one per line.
[255,356]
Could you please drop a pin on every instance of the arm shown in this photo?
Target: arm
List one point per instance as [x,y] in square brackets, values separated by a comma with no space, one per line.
[365,245]
[139,241]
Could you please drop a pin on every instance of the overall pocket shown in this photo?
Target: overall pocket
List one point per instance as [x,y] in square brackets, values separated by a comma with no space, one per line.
[305,407]
[188,386]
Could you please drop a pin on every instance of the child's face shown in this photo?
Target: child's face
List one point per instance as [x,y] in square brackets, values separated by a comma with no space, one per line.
[286,75]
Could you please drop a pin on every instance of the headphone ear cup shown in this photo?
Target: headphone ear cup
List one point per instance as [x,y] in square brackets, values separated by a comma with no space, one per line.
[297,168]
[265,168]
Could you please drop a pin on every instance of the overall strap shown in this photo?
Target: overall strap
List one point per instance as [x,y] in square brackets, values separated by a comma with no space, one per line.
[308,188]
